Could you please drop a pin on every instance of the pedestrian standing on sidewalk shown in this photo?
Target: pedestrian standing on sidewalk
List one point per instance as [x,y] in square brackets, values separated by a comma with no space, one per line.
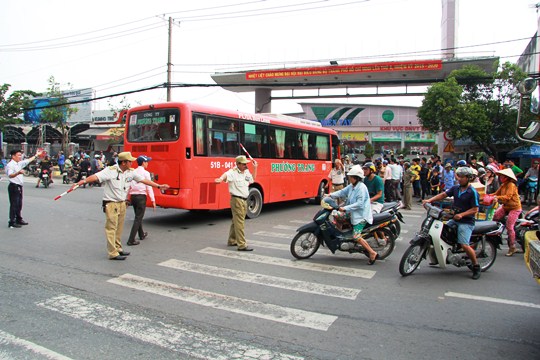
[239,179]
[408,177]
[14,172]
[138,194]
[116,180]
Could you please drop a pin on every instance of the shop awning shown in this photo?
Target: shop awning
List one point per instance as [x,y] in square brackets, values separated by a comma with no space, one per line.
[112,133]
[532,151]
[101,133]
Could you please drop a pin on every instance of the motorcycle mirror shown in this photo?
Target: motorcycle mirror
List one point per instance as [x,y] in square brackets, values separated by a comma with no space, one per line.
[527,126]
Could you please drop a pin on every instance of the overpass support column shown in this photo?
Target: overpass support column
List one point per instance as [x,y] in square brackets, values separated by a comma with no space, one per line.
[263,101]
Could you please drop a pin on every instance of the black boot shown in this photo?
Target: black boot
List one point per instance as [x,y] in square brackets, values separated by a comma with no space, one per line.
[476,271]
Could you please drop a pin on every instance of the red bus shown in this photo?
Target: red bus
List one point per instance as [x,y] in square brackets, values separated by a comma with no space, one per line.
[191,145]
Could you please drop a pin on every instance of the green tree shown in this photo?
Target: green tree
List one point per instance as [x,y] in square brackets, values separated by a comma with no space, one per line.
[369,151]
[59,111]
[11,107]
[471,104]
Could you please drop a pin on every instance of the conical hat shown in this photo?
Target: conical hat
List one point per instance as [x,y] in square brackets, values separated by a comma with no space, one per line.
[507,172]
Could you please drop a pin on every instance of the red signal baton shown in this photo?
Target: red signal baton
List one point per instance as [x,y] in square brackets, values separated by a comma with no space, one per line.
[66,192]
[243,148]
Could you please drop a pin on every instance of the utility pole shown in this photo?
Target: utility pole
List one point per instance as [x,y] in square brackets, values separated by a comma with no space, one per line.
[169,62]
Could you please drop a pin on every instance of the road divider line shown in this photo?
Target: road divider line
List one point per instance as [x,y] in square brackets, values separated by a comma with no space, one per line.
[232,304]
[175,337]
[295,264]
[7,339]
[272,281]
[491,299]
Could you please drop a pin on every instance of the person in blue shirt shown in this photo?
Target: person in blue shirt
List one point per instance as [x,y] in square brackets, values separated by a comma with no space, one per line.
[375,186]
[357,208]
[448,176]
[466,203]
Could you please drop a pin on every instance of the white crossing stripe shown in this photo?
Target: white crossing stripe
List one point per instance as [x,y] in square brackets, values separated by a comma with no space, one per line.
[490,299]
[233,304]
[412,216]
[295,264]
[286,227]
[269,245]
[8,339]
[403,231]
[274,234]
[173,337]
[300,221]
[273,281]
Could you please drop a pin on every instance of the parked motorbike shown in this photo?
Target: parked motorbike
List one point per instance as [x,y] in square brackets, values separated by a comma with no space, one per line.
[324,231]
[530,190]
[393,208]
[439,241]
[526,223]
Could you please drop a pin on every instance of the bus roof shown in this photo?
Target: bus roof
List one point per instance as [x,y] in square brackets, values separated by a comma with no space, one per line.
[275,119]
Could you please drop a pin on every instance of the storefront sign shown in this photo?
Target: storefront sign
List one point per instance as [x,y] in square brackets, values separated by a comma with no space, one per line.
[420,137]
[354,136]
[401,128]
[386,136]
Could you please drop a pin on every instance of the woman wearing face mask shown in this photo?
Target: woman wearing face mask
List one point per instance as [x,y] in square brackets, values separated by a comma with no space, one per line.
[508,195]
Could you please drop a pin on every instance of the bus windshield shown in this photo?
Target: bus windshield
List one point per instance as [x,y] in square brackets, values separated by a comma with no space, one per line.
[154,125]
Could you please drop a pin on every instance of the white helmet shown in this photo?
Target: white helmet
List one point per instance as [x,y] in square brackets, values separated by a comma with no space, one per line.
[465,171]
[356,170]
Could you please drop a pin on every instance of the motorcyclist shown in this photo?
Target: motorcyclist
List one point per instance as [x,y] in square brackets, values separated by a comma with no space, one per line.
[45,164]
[466,201]
[357,207]
[68,168]
[375,186]
[84,166]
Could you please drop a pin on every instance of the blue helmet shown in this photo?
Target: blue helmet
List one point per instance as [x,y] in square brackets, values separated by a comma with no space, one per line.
[461,163]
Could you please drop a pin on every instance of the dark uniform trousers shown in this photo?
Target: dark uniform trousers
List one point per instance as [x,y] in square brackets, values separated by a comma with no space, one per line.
[15,193]
[138,201]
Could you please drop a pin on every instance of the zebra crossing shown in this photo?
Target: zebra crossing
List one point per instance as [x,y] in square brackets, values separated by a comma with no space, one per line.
[220,263]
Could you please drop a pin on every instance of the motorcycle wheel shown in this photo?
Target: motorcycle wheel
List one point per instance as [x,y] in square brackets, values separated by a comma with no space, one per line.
[411,259]
[398,228]
[46,183]
[304,245]
[390,241]
[486,257]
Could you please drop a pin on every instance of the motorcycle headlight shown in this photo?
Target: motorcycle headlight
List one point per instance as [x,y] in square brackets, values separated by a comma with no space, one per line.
[435,212]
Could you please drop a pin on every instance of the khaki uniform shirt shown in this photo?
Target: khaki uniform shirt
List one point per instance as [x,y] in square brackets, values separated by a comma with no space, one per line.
[117,182]
[239,182]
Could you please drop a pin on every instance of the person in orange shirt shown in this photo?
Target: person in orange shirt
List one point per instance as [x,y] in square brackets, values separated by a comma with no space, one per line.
[508,195]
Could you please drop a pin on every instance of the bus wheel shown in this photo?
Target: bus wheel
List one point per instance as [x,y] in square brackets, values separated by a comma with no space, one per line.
[320,192]
[254,203]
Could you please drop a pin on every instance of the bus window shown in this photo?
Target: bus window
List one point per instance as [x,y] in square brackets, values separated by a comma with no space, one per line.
[290,144]
[199,134]
[254,140]
[303,144]
[323,146]
[154,125]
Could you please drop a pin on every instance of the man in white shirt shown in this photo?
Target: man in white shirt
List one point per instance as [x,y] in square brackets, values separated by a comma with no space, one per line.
[138,194]
[397,174]
[15,171]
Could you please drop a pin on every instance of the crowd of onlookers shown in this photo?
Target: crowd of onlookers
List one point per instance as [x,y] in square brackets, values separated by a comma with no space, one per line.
[428,176]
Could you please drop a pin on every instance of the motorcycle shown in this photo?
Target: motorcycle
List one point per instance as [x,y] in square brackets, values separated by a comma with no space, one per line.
[45,179]
[323,230]
[530,190]
[439,241]
[393,208]
[527,223]
[68,176]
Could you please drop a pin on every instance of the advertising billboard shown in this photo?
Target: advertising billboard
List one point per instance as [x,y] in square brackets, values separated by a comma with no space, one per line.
[84,110]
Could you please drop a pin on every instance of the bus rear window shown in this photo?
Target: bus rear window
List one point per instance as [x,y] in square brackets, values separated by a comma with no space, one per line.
[154,125]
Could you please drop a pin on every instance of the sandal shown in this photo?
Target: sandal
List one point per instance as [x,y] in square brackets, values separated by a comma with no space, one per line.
[511,251]
[372,261]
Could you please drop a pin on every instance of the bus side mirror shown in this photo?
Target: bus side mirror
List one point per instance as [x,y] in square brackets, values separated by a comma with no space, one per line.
[528,129]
